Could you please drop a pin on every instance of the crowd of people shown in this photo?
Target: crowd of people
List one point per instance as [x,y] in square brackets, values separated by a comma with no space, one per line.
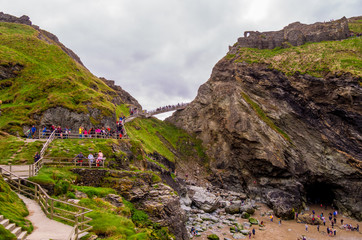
[331,224]
[82,132]
[168,107]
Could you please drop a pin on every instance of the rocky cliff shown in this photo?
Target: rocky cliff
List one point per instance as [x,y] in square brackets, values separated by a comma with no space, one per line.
[288,138]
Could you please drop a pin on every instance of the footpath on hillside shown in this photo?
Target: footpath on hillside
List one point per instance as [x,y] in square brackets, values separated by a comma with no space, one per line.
[44,228]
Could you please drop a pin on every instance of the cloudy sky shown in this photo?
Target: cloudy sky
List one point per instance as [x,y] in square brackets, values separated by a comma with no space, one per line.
[161,51]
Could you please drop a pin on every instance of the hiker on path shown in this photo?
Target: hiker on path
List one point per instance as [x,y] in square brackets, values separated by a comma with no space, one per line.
[253,231]
[36,157]
[79,158]
[32,132]
[306,227]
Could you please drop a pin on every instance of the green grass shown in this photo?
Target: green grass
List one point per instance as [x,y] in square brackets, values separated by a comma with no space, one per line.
[163,137]
[69,148]
[50,78]
[5,234]
[13,208]
[355,25]
[264,117]
[9,145]
[51,175]
[94,191]
[316,59]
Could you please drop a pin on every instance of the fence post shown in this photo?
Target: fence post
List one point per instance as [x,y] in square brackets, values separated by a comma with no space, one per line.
[51,208]
[36,194]
[19,184]
[76,226]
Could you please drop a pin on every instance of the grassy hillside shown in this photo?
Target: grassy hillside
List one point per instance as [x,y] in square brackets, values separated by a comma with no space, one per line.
[13,208]
[316,59]
[47,77]
[166,139]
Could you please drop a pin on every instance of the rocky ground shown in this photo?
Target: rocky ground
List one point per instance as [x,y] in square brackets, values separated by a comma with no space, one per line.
[225,213]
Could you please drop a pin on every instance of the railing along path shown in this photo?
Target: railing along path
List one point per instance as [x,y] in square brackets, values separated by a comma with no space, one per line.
[53,208]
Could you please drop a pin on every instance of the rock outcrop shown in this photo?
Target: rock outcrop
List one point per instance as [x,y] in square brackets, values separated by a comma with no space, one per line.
[157,199]
[287,139]
[296,34]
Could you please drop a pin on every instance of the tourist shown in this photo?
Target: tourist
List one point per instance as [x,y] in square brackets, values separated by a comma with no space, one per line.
[280,221]
[253,231]
[341,221]
[192,231]
[99,158]
[327,230]
[249,235]
[357,228]
[32,132]
[318,228]
[335,220]
[271,217]
[80,132]
[306,227]
[79,158]
[36,157]
[44,132]
[90,159]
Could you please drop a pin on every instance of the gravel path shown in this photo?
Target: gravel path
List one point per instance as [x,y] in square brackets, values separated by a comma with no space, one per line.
[44,228]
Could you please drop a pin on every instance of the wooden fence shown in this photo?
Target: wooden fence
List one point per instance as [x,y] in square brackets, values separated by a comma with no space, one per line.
[53,208]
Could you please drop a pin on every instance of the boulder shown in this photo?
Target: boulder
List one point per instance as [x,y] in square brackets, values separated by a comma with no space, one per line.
[307,218]
[245,215]
[247,208]
[238,236]
[253,221]
[203,199]
[244,232]
[233,208]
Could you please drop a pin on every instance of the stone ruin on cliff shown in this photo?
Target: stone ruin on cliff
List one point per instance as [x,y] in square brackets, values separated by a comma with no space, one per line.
[296,34]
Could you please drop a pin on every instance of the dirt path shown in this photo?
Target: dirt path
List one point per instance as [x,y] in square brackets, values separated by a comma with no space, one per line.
[289,229]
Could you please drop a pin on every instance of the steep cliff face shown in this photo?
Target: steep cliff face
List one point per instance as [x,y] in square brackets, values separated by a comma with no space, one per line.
[288,138]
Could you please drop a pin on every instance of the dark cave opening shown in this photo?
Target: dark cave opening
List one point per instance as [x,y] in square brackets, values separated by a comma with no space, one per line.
[320,193]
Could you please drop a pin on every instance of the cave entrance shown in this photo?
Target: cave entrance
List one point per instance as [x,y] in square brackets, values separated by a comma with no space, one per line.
[320,193]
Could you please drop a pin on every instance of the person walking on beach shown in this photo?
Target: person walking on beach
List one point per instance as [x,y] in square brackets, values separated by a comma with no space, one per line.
[306,227]
[253,231]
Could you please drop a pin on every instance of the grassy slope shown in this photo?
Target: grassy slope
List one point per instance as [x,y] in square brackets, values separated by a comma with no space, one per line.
[164,138]
[316,59]
[50,78]
[13,208]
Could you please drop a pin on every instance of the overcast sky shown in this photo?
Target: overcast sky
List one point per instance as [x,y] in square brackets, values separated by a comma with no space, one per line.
[161,51]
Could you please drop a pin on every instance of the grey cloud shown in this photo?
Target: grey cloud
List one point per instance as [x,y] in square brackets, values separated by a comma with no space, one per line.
[161,51]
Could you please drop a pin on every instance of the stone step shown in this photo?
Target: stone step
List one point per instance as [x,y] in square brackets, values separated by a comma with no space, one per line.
[4,222]
[16,231]
[22,235]
[10,227]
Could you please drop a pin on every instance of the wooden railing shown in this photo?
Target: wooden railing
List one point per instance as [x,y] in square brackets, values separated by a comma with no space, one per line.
[64,161]
[83,136]
[53,208]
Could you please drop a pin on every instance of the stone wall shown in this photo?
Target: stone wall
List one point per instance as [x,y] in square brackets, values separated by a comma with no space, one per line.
[296,34]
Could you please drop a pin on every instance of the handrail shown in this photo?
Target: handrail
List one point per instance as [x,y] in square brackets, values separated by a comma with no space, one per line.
[47,204]
[84,136]
[46,144]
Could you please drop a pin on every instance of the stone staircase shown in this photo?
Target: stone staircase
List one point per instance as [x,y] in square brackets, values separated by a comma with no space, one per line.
[20,235]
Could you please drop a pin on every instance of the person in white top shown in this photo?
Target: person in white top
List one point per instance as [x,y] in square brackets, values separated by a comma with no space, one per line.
[90,159]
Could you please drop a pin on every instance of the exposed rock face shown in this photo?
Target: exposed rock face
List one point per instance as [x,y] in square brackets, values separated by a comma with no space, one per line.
[296,34]
[157,199]
[73,120]
[125,97]
[203,199]
[316,153]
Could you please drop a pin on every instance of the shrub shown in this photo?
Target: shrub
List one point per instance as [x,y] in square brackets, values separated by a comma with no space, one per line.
[213,237]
